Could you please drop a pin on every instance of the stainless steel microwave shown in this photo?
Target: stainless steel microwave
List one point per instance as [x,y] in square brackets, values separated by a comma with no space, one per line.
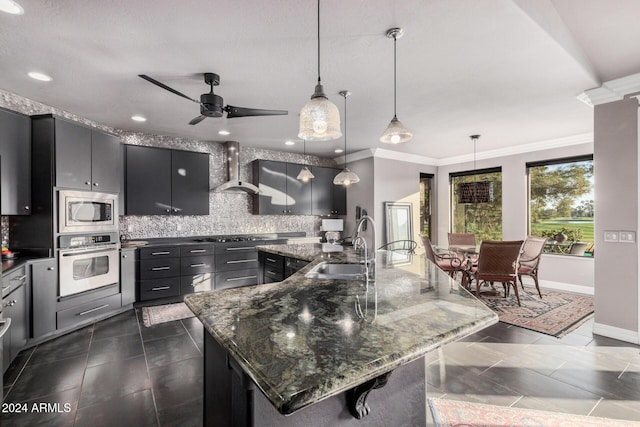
[87,211]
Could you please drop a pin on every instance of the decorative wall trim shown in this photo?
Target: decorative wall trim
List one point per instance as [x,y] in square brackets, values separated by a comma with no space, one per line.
[616,333]
[612,90]
[566,287]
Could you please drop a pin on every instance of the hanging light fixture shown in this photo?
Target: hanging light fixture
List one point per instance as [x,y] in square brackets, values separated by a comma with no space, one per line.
[476,191]
[319,118]
[305,174]
[346,177]
[395,133]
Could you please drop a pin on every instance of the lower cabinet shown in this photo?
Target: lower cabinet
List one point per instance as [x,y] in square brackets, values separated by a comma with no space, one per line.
[84,312]
[44,294]
[236,265]
[158,272]
[276,268]
[128,275]
[292,265]
[15,305]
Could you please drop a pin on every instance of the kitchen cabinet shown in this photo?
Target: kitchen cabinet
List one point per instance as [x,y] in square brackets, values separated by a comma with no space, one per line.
[15,305]
[197,266]
[84,158]
[280,191]
[271,267]
[44,291]
[15,155]
[292,265]
[160,181]
[236,265]
[128,275]
[159,272]
[326,197]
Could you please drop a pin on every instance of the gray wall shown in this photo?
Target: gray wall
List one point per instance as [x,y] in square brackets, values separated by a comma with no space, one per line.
[360,194]
[616,206]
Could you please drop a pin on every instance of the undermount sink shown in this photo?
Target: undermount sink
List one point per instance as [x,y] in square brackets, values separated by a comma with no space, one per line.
[326,270]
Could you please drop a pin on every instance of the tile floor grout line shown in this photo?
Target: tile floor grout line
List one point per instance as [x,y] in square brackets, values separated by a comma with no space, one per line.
[190,336]
[21,371]
[146,363]
[84,372]
[624,370]
[595,406]
[498,362]
[517,400]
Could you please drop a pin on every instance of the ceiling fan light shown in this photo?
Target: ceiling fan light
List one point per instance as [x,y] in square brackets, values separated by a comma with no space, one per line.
[346,178]
[305,175]
[395,133]
[319,120]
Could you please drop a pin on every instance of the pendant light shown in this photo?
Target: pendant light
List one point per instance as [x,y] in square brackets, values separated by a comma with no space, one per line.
[346,177]
[319,118]
[395,133]
[305,174]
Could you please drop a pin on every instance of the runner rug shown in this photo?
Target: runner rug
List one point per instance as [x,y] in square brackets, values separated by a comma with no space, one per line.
[557,313]
[453,413]
[165,313]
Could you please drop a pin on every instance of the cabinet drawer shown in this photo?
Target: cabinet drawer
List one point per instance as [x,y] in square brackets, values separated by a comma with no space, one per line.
[236,261]
[271,275]
[273,262]
[197,250]
[196,283]
[196,264]
[229,247]
[78,314]
[160,252]
[236,278]
[157,268]
[15,279]
[295,264]
[152,289]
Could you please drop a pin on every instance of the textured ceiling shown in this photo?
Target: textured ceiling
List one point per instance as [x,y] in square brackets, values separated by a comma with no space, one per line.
[509,70]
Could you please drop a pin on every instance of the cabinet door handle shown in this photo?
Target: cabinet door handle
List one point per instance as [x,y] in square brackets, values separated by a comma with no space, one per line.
[6,288]
[26,208]
[233,279]
[95,184]
[271,260]
[124,256]
[198,265]
[161,288]
[160,268]
[87,183]
[51,268]
[243,248]
[83,313]
[197,251]
[238,261]
[160,253]
[19,279]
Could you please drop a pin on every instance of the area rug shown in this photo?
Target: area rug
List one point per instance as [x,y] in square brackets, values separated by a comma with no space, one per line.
[557,313]
[453,413]
[165,313]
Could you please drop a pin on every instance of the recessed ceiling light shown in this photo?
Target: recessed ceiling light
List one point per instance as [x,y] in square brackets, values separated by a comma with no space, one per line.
[137,118]
[289,143]
[38,76]
[11,7]
[224,132]
[338,150]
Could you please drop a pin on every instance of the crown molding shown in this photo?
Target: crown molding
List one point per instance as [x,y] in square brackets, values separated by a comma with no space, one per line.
[612,90]
[381,153]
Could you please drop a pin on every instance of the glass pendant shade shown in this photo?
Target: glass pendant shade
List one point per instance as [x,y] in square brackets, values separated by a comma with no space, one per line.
[305,175]
[346,177]
[319,118]
[395,133]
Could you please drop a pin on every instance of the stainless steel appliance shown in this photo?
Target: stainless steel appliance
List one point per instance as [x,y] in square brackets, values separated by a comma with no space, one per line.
[88,262]
[87,212]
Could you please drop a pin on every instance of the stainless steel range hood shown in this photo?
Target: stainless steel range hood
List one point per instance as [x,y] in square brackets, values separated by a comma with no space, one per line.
[232,163]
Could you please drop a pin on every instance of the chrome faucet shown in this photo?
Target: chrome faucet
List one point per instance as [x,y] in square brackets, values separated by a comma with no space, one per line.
[361,242]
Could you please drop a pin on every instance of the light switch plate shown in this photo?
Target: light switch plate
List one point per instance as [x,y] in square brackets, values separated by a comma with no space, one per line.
[627,237]
[611,236]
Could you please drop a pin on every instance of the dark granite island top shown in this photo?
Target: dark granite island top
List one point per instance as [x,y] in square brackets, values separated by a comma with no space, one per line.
[303,340]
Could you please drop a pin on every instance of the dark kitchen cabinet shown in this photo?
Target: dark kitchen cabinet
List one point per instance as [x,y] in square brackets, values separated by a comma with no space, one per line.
[326,197]
[271,267]
[281,192]
[293,265]
[15,155]
[236,265]
[15,305]
[158,272]
[85,158]
[44,291]
[128,275]
[159,181]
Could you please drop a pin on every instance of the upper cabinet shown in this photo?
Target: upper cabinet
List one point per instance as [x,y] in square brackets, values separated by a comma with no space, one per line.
[160,181]
[85,158]
[15,167]
[280,191]
[327,198]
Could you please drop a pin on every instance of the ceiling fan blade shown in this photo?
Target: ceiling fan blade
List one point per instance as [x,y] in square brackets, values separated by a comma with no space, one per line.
[245,112]
[197,120]
[165,87]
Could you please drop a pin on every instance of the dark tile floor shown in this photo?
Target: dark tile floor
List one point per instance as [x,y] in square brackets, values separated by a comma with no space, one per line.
[120,373]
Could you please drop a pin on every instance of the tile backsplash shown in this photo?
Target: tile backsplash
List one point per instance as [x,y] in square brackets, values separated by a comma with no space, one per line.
[230,212]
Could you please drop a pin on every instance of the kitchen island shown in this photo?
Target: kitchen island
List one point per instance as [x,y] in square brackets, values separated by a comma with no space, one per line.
[330,352]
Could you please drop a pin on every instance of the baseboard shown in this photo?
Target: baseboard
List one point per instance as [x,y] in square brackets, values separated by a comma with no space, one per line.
[566,287]
[616,333]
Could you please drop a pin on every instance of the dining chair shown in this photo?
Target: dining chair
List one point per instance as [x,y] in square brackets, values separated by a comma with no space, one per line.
[447,262]
[407,246]
[530,259]
[578,248]
[462,239]
[498,262]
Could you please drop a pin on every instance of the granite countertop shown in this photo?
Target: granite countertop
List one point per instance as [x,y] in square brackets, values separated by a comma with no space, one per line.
[303,340]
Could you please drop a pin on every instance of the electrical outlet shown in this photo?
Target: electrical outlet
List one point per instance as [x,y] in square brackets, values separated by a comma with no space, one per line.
[179,227]
[627,237]
[611,236]
[130,228]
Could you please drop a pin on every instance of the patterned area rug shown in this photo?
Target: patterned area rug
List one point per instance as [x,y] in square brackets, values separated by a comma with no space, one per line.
[165,313]
[556,314]
[452,413]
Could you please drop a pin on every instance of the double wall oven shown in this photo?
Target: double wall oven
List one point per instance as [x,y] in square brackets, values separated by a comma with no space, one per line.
[88,241]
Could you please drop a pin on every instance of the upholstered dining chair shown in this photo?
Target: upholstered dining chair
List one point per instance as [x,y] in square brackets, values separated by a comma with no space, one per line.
[530,260]
[498,262]
[449,263]
[462,239]
[407,246]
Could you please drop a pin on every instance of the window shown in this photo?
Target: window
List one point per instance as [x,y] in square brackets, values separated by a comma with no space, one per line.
[426,191]
[561,204]
[480,214]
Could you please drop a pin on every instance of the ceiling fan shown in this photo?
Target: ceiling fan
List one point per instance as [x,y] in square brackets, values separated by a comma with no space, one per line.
[211,105]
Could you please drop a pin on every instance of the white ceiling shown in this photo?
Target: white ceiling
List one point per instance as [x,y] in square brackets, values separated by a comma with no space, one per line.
[509,70]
